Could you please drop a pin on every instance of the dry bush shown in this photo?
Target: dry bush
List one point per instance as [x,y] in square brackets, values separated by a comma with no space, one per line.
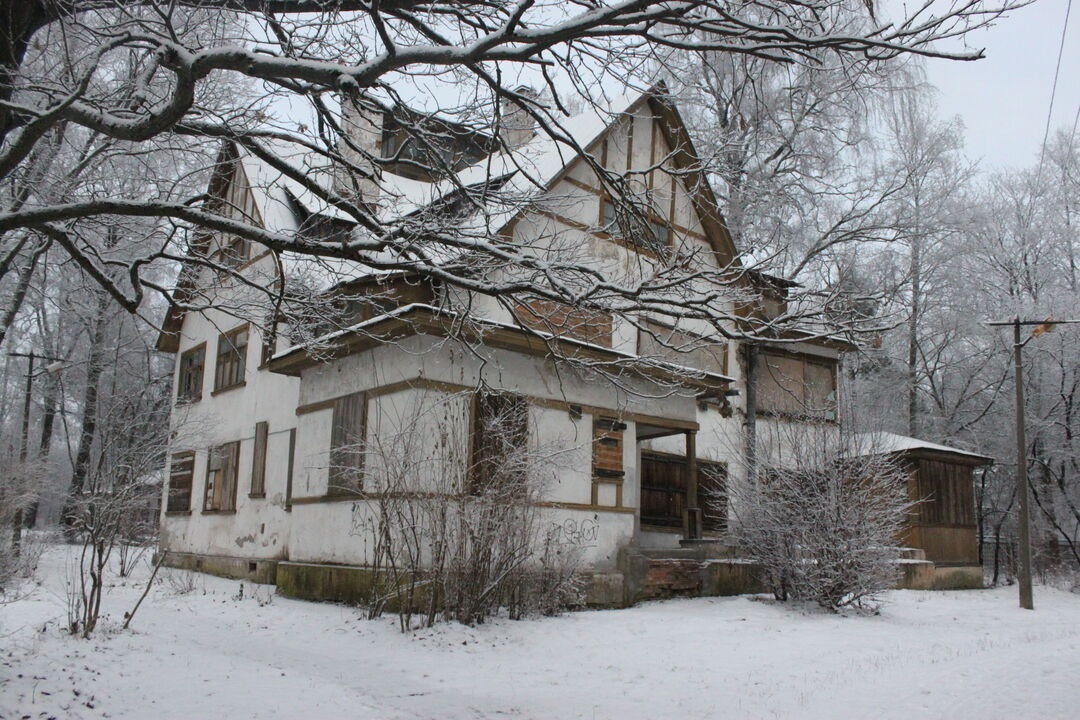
[824,519]
[452,537]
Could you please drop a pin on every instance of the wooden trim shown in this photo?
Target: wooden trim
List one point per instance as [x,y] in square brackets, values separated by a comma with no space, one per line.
[227,388]
[176,513]
[289,469]
[631,118]
[593,507]
[317,406]
[219,512]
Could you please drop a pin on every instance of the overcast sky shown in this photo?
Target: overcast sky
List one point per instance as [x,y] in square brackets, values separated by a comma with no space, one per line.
[1003,98]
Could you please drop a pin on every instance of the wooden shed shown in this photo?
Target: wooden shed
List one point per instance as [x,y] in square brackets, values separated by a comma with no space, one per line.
[940,478]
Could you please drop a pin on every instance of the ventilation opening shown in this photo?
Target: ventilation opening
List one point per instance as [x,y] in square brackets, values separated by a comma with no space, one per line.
[252,567]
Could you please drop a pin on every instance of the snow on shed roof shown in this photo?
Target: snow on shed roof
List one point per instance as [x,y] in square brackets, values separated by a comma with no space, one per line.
[887,442]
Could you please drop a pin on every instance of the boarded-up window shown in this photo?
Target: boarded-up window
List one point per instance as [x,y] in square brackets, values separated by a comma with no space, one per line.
[796,385]
[608,448]
[258,460]
[181,473]
[222,465]
[190,382]
[499,435]
[238,203]
[561,320]
[231,359]
[347,445]
[681,348]
[946,494]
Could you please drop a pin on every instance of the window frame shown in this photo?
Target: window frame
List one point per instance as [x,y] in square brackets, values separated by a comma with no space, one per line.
[175,459]
[805,411]
[214,500]
[653,220]
[181,397]
[476,484]
[346,446]
[228,336]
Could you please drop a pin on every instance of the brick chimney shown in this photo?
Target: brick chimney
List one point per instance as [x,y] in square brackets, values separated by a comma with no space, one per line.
[516,126]
[362,121]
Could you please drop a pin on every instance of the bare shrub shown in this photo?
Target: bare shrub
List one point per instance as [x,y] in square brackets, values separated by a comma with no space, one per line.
[822,517]
[454,534]
[181,582]
[18,492]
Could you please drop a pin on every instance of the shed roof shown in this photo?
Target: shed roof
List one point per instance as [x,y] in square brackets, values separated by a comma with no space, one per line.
[880,442]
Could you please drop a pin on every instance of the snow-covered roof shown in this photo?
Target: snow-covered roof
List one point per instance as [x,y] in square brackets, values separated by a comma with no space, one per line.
[881,442]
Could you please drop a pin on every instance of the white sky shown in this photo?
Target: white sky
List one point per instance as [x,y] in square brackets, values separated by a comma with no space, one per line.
[1003,99]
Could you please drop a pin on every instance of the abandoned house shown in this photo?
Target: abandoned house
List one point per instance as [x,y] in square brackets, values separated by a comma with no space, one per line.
[262,483]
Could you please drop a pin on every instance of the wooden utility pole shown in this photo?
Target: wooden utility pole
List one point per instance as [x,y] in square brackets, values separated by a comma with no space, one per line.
[1024,523]
[1026,600]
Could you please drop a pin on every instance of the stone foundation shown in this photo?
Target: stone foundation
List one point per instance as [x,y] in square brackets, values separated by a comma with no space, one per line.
[237,568]
[697,571]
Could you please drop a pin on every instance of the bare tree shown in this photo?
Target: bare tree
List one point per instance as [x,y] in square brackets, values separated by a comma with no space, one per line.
[151,80]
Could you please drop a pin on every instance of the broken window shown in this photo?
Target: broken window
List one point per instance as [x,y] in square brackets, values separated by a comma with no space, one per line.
[231,359]
[181,473]
[499,434]
[221,470]
[192,365]
[347,445]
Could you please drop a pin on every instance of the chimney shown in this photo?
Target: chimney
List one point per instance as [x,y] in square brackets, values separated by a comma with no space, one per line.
[516,126]
[361,121]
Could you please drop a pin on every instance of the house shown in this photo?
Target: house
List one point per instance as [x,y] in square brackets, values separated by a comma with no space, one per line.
[265,478]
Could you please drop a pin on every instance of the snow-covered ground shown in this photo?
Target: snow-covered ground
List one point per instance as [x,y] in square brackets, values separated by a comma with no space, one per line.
[210,653]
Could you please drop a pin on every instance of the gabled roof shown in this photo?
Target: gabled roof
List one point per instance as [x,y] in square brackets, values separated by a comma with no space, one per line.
[526,171]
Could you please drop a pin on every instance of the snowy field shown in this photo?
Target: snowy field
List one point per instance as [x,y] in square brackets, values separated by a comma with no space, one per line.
[209,653]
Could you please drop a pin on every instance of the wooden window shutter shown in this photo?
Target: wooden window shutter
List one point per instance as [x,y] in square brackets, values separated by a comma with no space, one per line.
[289,469]
[258,460]
[347,444]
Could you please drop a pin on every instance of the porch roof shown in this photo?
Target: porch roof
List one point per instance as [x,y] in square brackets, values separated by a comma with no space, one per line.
[419,318]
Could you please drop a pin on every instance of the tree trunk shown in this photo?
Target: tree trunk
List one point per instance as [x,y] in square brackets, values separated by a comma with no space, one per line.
[88,425]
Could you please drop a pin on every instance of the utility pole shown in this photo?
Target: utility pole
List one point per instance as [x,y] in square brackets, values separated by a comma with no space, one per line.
[1041,326]
[1026,600]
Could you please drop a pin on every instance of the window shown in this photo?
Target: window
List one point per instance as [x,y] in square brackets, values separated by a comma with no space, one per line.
[608,448]
[563,321]
[234,252]
[181,473]
[681,348]
[499,434]
[258,460]
[192,364]
[231,359]
[347,445]
[796,385]
[221,471]
[653,236]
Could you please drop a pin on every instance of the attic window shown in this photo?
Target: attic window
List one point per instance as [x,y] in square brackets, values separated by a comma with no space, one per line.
[626,229]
